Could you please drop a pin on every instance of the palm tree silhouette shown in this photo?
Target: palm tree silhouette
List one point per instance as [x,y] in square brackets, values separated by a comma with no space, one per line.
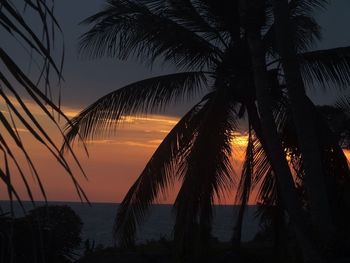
[203,39]
[306,129]
[253,16]
[19,88]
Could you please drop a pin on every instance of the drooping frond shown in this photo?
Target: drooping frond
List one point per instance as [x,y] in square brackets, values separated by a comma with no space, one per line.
[257,173]
[244,185]
[18,90]
[16,26]
[342,125]
[263,178]
[206,172]
[343,104]
[334,162]
[338,119]
[302,19]
[261,166]
[268,190]
[143,29]
[158,175]
[302,25]
[330,67]
[244,188]
[223,16]
[305,30]
[17,109]
[137,98]
[307,7]
[190,14]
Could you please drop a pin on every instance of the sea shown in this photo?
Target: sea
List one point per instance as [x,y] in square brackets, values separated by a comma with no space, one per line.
[98,221]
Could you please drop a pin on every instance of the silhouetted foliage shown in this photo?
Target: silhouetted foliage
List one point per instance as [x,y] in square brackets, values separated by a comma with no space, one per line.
[19,89]
[46,234]
[208,46]
[339,122]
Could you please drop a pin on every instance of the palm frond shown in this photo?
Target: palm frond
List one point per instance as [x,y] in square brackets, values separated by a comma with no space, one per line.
[130,28]
[330,67]
[263,176]
[206,173]
[343,104]
[307,7]
[244,185]
[343,126]
[303,26]
[190,15]
[306,33]
[244,188]
[13,79]
[335,165]
[257,172]
[144,96]
[268,190]
[338,120]
[302,20]
[223,16]
[16,25]
[159,174]
[261,164]
[334,162]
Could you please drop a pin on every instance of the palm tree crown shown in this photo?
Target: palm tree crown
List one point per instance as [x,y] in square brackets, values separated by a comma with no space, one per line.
[203,40]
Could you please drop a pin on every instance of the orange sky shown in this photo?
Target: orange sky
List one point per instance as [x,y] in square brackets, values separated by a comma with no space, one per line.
[113,165]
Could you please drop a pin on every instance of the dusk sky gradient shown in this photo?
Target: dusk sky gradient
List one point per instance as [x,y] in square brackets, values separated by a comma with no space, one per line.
[115,162]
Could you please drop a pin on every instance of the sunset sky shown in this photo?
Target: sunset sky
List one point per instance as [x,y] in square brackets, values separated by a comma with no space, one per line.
[115,162]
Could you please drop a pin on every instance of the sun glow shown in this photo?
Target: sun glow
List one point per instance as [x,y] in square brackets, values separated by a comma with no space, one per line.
[239,139]
[153,118]
[347,154]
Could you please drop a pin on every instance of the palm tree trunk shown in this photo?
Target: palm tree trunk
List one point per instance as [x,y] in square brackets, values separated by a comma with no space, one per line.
[250,11]
[305,127]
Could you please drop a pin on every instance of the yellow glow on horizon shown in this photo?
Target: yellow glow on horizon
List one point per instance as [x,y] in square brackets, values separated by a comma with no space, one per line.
[239,139]
[153,118]
[70,113]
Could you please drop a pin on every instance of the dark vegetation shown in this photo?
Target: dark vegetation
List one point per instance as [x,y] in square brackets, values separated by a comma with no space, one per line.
[45,234]
[251,61]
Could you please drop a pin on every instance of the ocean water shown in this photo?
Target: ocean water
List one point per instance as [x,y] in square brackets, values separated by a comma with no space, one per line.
[98,221]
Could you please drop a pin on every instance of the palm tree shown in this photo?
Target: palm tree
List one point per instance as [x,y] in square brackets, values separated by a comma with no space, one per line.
[18,89]
[305,126]
[253,15]
[326,143]
[202,38]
